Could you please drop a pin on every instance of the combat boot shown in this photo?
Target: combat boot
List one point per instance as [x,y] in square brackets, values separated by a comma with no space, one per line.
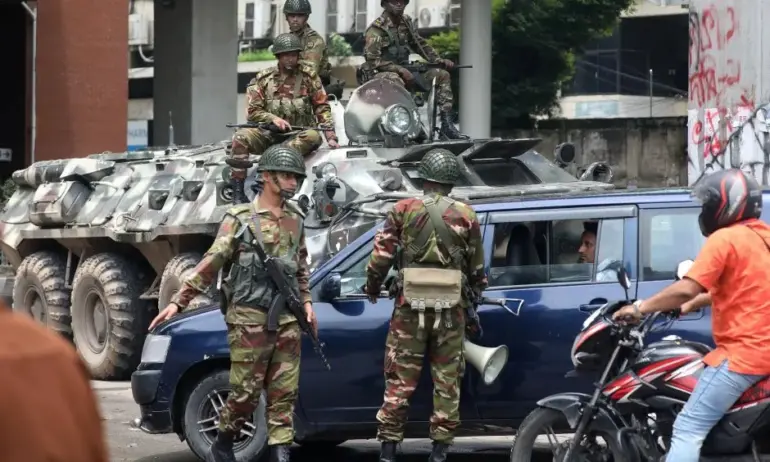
[439,452]
[222,449]
[388,451]
[448,128]
[280,453]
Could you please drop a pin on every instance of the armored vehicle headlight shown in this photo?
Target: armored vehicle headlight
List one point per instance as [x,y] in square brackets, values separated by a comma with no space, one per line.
[155,349]
[397,120]
[326,171]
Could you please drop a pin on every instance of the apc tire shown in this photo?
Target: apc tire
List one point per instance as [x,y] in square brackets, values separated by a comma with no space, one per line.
[199,407]
[109,320]
[39,291]
[174,274]
[540,418]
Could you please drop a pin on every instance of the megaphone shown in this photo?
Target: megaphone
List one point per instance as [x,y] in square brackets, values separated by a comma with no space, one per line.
[488,361]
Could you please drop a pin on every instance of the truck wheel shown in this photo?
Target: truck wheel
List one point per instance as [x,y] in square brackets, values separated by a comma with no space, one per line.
[173,275]
[201,420]
[39,291]
[109,321]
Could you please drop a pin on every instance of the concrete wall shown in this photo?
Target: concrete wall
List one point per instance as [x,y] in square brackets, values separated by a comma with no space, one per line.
[729,78]
[641,152]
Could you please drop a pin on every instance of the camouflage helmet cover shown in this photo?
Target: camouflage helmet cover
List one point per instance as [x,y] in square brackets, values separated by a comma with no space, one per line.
[280,158]
[297,7]
[285,43]
[383,2]
[439,166]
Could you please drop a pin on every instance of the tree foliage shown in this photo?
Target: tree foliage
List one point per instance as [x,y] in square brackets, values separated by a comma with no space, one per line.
[534,44]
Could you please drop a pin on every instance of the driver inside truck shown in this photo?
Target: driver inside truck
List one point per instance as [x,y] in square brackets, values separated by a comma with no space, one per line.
[606,271]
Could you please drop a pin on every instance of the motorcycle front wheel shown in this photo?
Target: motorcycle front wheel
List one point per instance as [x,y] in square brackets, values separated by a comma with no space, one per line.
[594,447]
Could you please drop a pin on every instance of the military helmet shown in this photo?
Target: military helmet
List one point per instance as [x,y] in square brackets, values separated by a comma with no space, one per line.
[280,158]
[383,2]
[285,43]
[297,7]
[439,166]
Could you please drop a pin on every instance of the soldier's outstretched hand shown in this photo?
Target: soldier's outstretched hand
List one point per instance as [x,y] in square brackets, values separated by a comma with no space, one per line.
[169,311]
[282,124]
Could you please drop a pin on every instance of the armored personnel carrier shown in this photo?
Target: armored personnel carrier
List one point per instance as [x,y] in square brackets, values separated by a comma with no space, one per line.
[97,244]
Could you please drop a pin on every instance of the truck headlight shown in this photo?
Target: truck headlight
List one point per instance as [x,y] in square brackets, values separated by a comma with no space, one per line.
[397,120]
[155,348]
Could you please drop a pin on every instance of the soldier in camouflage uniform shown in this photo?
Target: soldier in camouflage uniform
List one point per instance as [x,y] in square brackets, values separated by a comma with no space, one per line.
[283,95]
[259,359]
[433,235]
[314,58]
[389,41]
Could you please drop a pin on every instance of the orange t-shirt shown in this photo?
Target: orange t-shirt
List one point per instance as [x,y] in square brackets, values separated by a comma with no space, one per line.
[734,267]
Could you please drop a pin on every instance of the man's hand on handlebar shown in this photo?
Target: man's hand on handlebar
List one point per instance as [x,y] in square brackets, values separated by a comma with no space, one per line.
[628,314]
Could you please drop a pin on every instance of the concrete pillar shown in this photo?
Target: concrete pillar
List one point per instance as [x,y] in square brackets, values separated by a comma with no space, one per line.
[476,83]
[196,70]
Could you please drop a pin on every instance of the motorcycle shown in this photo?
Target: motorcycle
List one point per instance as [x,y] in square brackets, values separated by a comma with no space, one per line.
[640,391]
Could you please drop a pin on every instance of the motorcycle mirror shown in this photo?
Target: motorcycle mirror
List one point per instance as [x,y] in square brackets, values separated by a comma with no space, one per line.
[623,279]
[683,268]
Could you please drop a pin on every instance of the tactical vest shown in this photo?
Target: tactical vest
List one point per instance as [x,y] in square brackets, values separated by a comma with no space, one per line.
[293,108]
[251,285]
[433,287]
[396,51]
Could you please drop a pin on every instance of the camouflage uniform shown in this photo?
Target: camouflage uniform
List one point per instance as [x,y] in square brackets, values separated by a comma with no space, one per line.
[259,359]
[387,48]
[299,98]
[314,58]
[406,345]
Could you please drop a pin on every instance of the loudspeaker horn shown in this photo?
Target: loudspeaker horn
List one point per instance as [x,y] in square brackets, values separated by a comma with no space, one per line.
[488,361]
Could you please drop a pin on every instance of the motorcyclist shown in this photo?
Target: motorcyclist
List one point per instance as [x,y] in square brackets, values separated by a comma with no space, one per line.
[732,268]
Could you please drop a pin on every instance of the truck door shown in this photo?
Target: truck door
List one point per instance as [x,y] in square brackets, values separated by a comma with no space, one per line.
[535,255]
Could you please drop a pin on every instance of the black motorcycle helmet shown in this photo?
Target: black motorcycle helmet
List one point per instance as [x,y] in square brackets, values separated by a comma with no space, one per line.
[727,197]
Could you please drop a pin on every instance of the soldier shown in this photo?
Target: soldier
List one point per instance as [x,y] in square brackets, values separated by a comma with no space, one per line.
[283,95]
[259,359]
[314,57]
[441,253]
[389,41]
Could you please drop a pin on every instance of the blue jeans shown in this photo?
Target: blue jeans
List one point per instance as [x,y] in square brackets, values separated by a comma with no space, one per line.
[716,391]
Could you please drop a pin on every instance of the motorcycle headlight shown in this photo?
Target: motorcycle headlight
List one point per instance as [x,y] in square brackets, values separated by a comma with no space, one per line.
[155,349]
[397,120]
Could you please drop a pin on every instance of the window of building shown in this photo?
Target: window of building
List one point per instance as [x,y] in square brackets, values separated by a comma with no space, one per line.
[331,16]
[668,236]
[360,15]
[454,13]
[556,252]
[248,23]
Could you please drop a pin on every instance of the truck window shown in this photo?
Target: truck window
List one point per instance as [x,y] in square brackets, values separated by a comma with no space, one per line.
[556,252]
[668,236]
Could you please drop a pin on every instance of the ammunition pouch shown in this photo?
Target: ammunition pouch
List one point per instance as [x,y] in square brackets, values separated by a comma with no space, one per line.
[432,289]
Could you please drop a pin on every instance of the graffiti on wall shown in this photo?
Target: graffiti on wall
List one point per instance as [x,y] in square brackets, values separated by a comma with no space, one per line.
[722,98]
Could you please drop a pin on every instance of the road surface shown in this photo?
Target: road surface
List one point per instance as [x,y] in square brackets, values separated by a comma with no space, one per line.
[128,444]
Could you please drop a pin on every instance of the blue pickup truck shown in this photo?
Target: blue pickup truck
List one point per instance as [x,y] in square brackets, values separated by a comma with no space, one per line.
[532,244]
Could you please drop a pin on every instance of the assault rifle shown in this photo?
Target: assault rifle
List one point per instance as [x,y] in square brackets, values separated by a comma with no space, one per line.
[287,299]
[271,127]
[474,323]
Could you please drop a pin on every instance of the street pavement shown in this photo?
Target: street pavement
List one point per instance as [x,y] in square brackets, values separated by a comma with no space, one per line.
[128,444]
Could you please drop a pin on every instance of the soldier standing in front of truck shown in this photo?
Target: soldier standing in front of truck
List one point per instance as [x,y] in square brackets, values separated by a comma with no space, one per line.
[284,96]
[389,41]
[258,358]
[442,254]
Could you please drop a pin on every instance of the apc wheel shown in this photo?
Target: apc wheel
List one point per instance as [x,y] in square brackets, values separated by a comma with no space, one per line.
[175,272]
[542,420]
[39,291]
[109,321]
[201,420]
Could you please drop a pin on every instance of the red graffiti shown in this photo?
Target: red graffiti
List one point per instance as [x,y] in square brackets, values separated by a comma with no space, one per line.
[718,124]
[712,31]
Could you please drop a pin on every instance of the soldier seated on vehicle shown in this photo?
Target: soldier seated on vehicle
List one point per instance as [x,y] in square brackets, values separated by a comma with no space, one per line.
[389,41]
[314,57]
[284,96]
[607,269]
